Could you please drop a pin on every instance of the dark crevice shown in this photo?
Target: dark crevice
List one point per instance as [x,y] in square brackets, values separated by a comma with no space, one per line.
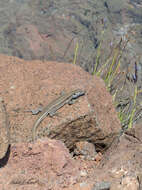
[4,160]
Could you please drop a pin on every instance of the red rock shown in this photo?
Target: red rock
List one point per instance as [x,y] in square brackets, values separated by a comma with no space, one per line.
[26,84]
[45,163]
[85,149]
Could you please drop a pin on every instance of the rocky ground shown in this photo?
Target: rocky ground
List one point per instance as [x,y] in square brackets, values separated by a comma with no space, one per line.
[79,148]
[82,146]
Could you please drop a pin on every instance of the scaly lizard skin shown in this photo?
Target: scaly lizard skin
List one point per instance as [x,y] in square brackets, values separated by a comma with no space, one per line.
[56,104]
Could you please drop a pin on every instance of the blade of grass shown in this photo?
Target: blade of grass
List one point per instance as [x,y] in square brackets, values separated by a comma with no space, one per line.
[115,58]
[98,53]
[75,54]
[133,110]
[114,61]
[111,56]
[114,73]
[97,59]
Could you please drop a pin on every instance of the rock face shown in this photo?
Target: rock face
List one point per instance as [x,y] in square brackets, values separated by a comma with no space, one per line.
[47,164]
[90,121]
[38,166]
[28,85]
[124,163]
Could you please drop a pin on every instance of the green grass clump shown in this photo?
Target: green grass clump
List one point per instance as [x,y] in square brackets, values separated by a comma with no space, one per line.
[111,68]
[110,71]
[127,116]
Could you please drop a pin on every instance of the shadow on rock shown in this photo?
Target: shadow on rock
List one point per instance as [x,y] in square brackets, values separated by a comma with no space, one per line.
[5,159]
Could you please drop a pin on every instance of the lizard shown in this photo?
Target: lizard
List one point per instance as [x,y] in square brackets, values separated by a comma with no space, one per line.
[51,108]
